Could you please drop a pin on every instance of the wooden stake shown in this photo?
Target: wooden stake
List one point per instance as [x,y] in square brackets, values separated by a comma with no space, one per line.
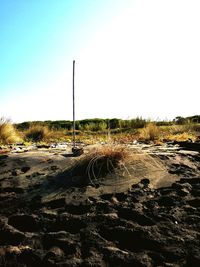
[74,122]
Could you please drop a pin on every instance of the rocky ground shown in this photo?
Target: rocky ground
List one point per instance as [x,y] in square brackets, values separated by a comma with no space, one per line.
[49,218]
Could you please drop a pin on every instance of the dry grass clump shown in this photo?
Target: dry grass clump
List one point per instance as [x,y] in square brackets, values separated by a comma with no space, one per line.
[37,133]
[8,133]
[102,161]
[180,132]
[185,136]
[179,129]
[150,132]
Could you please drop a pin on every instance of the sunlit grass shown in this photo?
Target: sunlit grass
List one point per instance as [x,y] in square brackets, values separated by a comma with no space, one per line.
[150,132]
[8,133]
[37,133]
[32,132]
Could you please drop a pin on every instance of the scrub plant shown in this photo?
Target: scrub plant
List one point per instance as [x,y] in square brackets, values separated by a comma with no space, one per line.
[149,132]
[8,133]
[38,133]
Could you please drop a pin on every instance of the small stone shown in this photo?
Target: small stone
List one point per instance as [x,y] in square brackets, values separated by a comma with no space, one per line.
[25,169]
[114,200]
[54,252]
[9,235]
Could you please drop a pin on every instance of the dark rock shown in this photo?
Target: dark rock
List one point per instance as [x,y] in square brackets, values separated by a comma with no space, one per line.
[157,258]
[193,257]
[14,173]
[183,192]
[117,257]
[62,240]
[42,146]
[36,202]
[194,202]
[180,186]
[130,239]
[69,224]
[25,169]
[121,196]
[30,258]
[24,222]
[2,157]
[9,235]
[56,203]
[94,261]
[167,201]
[135,216]
[194,146]
[192,219]
[54,168]
[107,196]
[17,190]
[103,207]
[172,253]
[195,192]
[189,209]
[145,182]
[55,252]
[54,255]
[180,169]
[192,181]
[78,209]
[167,191]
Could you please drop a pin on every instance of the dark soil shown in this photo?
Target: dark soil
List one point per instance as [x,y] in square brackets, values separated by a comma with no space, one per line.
[139,227]
[49,217]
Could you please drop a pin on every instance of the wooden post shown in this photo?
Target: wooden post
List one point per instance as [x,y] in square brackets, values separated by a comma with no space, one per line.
[74,122]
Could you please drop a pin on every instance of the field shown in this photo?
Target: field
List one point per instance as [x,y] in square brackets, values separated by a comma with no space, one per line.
[131,199]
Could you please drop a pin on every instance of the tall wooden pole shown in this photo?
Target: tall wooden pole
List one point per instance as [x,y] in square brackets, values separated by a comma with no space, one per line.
[74,122]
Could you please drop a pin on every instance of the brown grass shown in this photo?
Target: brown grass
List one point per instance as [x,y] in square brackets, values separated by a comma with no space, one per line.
[185,136]
[179,132]
[150,132]
[37,133]
[8,133]
[102,161]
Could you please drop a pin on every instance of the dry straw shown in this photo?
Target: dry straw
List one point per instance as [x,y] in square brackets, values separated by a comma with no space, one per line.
[101,162]
[8,133]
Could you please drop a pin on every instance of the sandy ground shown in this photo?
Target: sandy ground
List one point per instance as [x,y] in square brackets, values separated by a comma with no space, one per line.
[51,217]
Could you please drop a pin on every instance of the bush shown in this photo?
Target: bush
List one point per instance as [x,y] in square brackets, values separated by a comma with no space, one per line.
[37,133]
[8,133]
[150,132]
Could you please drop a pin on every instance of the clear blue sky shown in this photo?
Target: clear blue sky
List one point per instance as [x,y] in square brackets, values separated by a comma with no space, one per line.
[38,34]
[133,58]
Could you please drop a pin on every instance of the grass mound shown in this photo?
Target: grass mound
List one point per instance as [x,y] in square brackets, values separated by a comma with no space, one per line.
[102,161]
[8,133]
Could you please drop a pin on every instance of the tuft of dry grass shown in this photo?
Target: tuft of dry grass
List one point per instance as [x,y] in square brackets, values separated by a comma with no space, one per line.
[185,136]
[180,132]
[37,133]
[104,160]
[8,133]
[150,132]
